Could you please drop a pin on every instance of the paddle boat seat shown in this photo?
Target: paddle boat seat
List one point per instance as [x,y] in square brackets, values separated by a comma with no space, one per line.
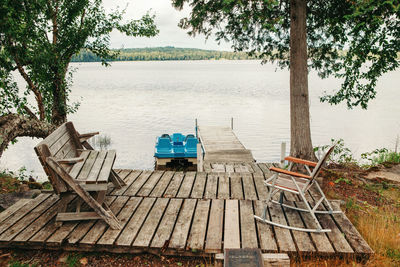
[163,147]
[191,147]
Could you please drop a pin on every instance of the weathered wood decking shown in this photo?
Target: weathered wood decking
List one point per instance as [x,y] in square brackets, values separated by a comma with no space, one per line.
[220,144]
[191,213]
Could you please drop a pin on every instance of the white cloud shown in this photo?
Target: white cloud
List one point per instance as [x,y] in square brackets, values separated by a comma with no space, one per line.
[167,19]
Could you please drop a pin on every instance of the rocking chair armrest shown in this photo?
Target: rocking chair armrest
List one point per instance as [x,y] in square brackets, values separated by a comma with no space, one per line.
[274,169]
[69,160]
[301,161]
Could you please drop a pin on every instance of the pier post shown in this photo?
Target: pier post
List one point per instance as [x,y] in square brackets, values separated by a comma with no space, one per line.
[196,127]
[199,158]
[283,153]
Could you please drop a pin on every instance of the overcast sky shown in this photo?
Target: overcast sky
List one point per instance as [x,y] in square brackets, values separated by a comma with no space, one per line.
[167,19]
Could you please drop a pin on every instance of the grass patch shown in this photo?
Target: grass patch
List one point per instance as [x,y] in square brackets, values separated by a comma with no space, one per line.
[73,260]
[380,227]
[19,264]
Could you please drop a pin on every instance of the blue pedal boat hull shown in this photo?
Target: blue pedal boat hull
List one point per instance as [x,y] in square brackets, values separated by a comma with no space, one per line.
[177,146]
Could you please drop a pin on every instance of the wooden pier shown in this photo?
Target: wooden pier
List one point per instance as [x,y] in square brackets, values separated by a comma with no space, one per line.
[220,144]
[177,213]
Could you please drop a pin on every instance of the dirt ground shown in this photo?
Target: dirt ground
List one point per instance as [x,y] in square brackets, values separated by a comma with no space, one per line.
[25,258]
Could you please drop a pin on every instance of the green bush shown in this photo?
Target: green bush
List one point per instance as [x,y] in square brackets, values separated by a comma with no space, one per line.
[381,156]
[340,154]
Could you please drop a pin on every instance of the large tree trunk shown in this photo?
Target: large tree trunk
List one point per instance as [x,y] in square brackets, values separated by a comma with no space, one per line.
[14,125]
[300,134]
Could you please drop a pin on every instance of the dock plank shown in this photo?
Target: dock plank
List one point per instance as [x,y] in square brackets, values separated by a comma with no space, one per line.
[302,239]
[198,230]
[231,228]
[336,237]
[236,186]
[80,229]
[248,187]
[215,227]
[129,179]
[352,235]
[164,231]
[21,212]
[100,226]
[162,184]
[321,241]
[283,236]
[199,185]
[41,221]
[220,144]
[174,185]
[265,231]
[247,224]
[211,186]
[135,223]
[137,184]
[25,221]
[150,184]
[187,184]
[111,235]
[181,230]
[145,235]
[223,187]
[262,191]
[14,208]
[229,167]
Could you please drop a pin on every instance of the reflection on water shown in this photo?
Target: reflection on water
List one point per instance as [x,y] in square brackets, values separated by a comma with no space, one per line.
[133,102]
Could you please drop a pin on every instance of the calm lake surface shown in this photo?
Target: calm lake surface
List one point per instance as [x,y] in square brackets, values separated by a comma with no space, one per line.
[133,102]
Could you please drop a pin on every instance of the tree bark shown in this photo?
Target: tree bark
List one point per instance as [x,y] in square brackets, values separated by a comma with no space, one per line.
[15,125]
[300,133]
[59,114]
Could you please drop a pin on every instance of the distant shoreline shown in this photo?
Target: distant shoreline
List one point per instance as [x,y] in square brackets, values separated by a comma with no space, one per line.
[167,53]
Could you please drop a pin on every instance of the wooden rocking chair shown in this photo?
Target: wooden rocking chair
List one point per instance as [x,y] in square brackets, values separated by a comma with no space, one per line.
[74,167]
[297,183]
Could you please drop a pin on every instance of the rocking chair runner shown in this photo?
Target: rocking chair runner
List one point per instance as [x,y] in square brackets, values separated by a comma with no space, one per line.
[297,183]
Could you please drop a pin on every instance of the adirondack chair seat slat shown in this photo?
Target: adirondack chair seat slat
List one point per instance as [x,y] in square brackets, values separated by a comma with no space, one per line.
[74,167]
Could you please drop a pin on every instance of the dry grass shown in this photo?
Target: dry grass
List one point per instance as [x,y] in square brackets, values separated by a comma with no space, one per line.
[380,227]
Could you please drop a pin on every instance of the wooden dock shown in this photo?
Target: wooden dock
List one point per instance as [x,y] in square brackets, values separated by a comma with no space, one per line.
[220,144]
[177,213]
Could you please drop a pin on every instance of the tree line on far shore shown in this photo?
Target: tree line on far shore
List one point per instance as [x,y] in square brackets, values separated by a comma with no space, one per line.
[162,53]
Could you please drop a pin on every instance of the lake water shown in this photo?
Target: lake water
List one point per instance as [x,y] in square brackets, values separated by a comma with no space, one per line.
[133,102]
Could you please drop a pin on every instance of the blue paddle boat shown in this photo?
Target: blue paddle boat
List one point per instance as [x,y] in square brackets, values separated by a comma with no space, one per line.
[177,149]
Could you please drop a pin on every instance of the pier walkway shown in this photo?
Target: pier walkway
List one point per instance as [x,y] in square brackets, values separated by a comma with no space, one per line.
[220,144]
[182,213]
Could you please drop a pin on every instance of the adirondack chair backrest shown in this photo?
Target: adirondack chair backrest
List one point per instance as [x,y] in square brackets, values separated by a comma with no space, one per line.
[62,143]
[321,162]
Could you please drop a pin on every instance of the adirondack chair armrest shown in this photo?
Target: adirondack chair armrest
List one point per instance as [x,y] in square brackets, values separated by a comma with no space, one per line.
[295,174]
[88,134]
[69,160]
[301,161]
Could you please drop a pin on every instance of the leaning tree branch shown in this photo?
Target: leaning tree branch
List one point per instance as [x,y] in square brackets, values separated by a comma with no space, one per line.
[32,86]
[15,125]
[30,113]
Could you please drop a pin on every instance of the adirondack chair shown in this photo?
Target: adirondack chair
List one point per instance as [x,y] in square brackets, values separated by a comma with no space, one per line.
[74,167]
[298,183]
